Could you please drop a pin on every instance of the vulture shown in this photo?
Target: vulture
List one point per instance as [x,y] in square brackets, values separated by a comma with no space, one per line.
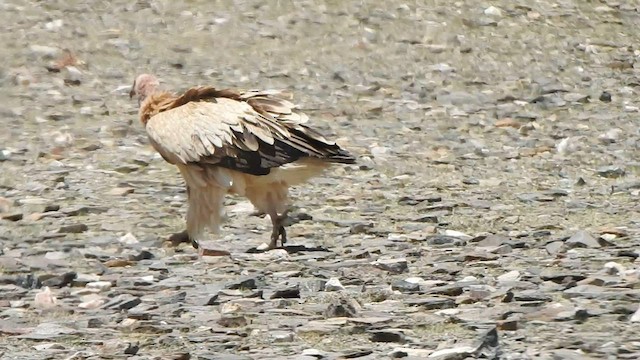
[253,144]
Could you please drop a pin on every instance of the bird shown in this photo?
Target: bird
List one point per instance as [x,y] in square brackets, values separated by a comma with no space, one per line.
[255,144]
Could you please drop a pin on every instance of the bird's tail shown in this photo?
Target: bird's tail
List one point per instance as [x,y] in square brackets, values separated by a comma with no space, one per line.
[341,156]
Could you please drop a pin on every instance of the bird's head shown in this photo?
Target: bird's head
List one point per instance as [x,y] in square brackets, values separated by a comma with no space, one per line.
[143,86]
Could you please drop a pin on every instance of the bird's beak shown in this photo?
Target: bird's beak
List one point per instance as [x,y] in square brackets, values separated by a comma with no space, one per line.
[133,90]
[132,93]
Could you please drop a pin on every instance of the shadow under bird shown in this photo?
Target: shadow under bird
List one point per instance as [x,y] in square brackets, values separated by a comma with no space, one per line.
[254,144]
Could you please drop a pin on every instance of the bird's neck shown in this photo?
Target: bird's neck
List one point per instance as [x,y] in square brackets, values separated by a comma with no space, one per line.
[155,103]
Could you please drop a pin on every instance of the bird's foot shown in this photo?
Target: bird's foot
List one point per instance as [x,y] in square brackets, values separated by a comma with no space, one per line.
[183,237]
[279,231]
[283,235]
[274,239]
[179,238]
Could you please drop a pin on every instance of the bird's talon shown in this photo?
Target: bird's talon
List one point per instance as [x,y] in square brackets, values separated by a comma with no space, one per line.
[179,238]
[274,238]
[283,235]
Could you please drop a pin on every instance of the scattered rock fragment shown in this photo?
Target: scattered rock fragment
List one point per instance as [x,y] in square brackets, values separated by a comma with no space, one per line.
[556,247]
[570,145]
[487,348]
[123,302]
[611,136]
[582,239]
[73,229]
[614,268]
[333,284]
[15,216]
[605,96]
[342,306]
[114,263]
[121,191]
[128,239]
[290,292]
[388,336]
[396,266]
[636,316]
[99,285]
[58,281]
[233,321]
[205,250]
[243,283]
[432,303]
[493,11]
[48,331]
[321,327]
[611,172]
[405,286]
[404,352]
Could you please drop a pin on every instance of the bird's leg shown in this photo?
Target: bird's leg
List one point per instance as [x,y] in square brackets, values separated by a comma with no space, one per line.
[278,222]
[275,233]
[281,222]
[193,241]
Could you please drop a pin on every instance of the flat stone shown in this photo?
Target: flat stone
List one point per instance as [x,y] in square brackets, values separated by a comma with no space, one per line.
[555,247]
[582,239]
[320,327]
[396,266]
[58,281]
[393,336]
[611,172]
[432,303]
[73,229]
[123,302]
[48,331]
[99,285]
[291,292]
[404,286]
[243,283]
[14,216]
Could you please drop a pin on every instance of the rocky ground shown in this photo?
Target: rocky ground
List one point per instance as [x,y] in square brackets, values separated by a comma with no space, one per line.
[493,213]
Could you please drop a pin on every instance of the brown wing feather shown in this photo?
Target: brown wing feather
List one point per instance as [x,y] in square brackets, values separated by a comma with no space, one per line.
[251,134]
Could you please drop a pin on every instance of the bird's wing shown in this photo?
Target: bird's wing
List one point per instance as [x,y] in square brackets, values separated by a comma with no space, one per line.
[234,134]
[276,103]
